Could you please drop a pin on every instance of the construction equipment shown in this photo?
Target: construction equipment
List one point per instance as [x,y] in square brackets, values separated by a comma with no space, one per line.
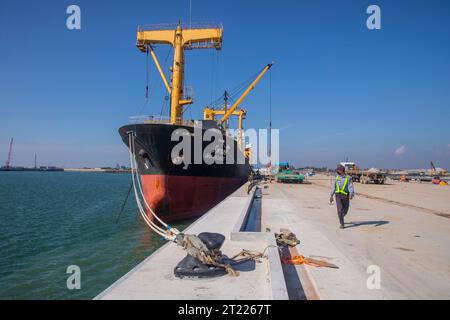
[372,175]
[436,173]
[352,170]
[287,175]
[433,168]
[436,180]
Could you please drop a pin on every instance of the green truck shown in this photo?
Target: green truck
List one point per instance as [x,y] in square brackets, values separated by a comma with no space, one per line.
[287,175]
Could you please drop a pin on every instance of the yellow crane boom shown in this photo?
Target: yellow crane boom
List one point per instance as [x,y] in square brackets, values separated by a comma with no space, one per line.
[246,92]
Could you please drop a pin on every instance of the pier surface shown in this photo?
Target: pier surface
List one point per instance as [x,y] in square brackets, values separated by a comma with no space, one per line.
[400,229]
[154,277]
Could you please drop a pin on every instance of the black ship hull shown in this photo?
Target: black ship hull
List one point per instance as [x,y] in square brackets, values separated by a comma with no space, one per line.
[179,187]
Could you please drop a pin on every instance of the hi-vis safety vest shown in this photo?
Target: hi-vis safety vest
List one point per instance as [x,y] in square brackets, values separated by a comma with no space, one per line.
[339,190]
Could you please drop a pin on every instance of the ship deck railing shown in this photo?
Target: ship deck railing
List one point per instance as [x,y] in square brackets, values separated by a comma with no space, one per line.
[206,44]
[149,119]
[158,120]
[173,26]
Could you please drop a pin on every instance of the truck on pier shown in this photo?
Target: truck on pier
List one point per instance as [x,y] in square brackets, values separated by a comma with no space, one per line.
[373,175]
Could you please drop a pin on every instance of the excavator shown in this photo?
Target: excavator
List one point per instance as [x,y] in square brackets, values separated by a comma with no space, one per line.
[436,175]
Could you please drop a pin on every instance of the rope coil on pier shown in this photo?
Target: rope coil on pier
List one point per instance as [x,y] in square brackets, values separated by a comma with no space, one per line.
[196,248]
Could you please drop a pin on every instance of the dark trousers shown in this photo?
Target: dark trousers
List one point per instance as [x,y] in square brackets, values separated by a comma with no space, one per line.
[342,204]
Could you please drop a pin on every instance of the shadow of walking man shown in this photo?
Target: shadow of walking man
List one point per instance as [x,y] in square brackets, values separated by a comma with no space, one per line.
[376,223]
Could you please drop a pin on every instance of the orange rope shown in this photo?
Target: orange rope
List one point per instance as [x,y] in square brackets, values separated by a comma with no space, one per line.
[302,260]
[295,260]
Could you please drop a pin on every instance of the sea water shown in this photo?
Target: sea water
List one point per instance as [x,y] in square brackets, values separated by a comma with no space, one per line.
[52,220]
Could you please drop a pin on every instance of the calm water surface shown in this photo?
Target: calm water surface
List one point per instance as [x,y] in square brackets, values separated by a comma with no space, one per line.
[50,220]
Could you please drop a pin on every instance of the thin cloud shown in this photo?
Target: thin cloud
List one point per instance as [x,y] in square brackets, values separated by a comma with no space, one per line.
[400,151]
[286,127]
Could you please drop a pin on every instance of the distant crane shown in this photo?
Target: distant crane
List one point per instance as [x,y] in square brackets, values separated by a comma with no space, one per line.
[437,171]
[433,168]
[8,161]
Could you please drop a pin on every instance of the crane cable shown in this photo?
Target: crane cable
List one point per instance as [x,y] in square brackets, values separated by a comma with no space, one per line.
[146,74]
[168,234]
[270,115]
[166,98]
[234,92]
[146,84]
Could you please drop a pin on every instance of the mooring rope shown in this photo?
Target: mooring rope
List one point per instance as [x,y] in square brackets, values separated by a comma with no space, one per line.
[150,223]
[145,201]
[169,233]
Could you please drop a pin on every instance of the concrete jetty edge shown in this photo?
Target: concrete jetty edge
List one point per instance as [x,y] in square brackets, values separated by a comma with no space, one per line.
[272,271]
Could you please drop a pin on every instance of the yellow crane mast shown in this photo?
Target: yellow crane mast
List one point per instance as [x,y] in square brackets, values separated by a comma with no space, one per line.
[197,37]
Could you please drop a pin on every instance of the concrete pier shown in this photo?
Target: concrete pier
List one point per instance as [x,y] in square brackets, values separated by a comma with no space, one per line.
[154,278]
[401,229]
[389,230]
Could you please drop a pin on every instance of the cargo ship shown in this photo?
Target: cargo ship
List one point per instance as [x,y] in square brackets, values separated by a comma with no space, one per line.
[174,189]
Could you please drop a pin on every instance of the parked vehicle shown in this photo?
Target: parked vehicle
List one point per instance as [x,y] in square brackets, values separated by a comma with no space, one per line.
[288,175]
[372,175]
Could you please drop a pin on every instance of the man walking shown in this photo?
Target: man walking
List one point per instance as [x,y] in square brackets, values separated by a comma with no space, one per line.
[343,190]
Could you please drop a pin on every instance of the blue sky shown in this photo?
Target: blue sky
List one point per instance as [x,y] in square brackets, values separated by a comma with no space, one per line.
[338,89]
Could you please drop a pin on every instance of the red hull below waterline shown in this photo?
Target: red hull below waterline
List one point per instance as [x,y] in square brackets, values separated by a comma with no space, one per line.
[182,197]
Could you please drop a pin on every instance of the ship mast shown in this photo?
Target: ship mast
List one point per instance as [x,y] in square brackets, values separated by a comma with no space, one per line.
[225,107]
[194,37]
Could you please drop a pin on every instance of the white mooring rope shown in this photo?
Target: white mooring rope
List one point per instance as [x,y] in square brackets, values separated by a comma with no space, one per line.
[142,194]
